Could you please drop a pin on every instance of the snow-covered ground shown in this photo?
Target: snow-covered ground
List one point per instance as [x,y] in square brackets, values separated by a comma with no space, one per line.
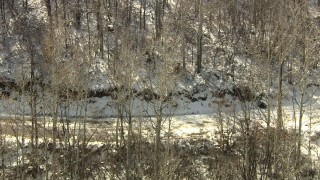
[198,105]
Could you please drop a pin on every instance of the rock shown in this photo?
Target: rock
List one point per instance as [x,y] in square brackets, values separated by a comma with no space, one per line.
[202,98]
[261,105]
[261,101]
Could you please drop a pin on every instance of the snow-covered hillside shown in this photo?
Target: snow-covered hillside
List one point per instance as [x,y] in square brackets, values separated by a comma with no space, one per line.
[161,89]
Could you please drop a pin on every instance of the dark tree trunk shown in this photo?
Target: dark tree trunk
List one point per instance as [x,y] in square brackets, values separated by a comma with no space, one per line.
[34,134]
[279,124]
[78,16]
[2,9]
[33,102]
[3,19]
[48,6]
[158,23]
[199,41]
[157,148]
[144,14]
[49,11]
[140,15]
[100,29]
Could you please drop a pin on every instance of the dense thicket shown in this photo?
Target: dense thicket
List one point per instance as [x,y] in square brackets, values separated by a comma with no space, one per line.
[58,56]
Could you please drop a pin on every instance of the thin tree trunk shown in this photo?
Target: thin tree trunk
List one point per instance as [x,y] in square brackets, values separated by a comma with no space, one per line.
[3,12]
[100,30]
[32,91]
[78,165]
[54,114]
[129,142]
[129,12]
[183,51]
[279,124]
[199,39]
[140,140]
[117,130]
[49,11]
[158,23]
[56,4]
[77,16]
[3,19]
[33,106]
[84,135]
[2,145]
[64,4]
[65,137]
[116,41]
[23,136]
[269,105]
[144,13]
[299,127]
[279,120]
[140,15]
[45,139]
[157,147]
[54,136]
[303,82]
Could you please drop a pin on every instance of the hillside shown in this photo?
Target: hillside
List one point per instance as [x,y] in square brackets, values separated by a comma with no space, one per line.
[163,89]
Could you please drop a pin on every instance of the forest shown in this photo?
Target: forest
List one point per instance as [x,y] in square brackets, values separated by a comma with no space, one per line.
[160,89]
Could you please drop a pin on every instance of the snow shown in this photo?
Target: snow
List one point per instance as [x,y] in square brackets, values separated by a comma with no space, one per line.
[193,110]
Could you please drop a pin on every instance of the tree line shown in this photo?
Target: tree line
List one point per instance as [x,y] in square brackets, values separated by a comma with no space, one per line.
[53,60]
